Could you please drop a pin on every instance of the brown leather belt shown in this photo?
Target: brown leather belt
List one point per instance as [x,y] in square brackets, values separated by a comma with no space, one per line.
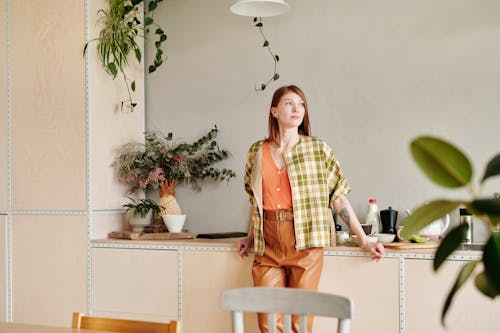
[280,215]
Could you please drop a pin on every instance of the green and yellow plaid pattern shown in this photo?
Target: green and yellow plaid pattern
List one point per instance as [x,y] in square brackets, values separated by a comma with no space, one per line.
[316,181]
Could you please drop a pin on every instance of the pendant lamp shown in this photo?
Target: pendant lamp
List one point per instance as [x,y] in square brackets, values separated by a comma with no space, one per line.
[260,8]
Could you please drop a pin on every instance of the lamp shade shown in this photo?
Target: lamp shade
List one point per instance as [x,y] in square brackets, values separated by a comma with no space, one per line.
[260,8]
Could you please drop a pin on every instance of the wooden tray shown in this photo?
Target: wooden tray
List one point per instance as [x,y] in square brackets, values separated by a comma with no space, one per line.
[407,246]
[151,236]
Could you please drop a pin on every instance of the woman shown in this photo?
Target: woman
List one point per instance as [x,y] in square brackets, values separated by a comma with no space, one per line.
[293,180]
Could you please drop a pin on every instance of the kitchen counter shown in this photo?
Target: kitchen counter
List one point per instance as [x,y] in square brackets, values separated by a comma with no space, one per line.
[184,278]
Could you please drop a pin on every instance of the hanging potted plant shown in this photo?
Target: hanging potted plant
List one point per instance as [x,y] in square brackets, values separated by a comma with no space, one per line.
[122,22]
[161,164]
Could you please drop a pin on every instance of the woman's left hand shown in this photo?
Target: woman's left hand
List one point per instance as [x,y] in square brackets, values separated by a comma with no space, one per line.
[376,250]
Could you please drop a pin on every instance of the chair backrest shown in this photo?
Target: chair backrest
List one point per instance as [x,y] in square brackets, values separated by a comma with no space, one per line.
[123,325]
[287,301]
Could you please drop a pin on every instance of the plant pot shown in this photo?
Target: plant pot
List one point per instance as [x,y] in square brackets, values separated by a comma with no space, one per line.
[138,223]
[174,223]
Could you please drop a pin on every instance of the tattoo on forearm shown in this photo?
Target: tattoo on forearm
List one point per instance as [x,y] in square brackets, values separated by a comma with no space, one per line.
[344,215]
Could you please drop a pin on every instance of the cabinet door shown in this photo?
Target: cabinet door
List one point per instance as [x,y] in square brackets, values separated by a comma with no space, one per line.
[135,284]
[426,292]
[373,287]
[205,276]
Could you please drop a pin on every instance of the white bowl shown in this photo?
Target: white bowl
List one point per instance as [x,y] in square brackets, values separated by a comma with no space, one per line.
[174,223]
[386,238]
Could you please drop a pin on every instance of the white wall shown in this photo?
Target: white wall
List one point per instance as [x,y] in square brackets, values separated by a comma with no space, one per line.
[376,74]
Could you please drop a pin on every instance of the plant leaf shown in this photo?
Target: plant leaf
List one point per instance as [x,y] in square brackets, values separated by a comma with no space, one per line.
[163,38]
[462,277]
[138,54]
[259,25]
[152,6]
[427,214]
[491,261]
[449,244]
[490,207]
[132,85]
[493,168]
[148,21]
[151,69]
[112,68]
[276,76]
[266,43]
[483,285]
[277,58]
[441,162]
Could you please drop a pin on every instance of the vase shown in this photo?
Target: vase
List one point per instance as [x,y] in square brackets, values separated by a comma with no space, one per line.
[167,199]
[138,223]
[174,222]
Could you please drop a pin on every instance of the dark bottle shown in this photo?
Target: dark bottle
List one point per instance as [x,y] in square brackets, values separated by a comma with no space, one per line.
[466,217]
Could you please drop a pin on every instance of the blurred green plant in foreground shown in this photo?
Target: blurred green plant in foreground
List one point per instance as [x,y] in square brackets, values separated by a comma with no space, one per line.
[447,166]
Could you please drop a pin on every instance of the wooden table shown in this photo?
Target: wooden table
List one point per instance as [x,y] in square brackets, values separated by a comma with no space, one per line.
[25,328]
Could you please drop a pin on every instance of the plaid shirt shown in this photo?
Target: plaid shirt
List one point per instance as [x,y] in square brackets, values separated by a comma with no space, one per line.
[316,181]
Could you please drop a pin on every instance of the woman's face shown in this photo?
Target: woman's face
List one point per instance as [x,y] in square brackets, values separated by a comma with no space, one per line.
[290,111]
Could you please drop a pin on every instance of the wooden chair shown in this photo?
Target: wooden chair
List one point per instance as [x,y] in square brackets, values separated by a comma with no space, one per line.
[124,326]
[287,301]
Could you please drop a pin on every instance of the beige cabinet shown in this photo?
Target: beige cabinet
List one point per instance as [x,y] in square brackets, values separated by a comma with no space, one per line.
[426,291]
[135,284]
[373,287]
[206,274]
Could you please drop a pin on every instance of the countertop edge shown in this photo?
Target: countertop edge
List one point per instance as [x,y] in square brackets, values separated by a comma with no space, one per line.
[229,245]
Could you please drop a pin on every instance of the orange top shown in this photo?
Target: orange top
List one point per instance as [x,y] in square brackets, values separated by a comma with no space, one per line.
[276,190]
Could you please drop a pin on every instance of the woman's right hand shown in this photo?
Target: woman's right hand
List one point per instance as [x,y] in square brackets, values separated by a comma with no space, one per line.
[243,246]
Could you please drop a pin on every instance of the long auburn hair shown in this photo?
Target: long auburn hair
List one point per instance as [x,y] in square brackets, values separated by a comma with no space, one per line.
[273,126]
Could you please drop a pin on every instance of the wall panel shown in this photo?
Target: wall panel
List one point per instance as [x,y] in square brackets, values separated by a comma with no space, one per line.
[48,105]
[50,268]
[3,107]
[3,268]
[110,125]
[103,224]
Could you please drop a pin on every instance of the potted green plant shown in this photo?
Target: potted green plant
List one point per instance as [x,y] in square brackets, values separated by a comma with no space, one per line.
[122,21]
[449,167]
[162,163]
[142,213]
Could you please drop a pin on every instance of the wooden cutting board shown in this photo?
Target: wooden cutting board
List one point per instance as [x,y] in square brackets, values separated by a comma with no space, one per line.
[151,236]
[408,246]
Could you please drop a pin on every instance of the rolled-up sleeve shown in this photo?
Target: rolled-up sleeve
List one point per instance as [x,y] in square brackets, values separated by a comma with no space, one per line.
[337,183]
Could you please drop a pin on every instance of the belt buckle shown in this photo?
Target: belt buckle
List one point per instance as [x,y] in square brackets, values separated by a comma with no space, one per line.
[280,215]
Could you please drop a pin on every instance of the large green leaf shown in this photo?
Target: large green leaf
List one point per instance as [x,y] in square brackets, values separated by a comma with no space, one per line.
[449,244]
[484,285]
[462,277]
[491,261]
[442,162]
[426,214]
[490,207]
[493,168]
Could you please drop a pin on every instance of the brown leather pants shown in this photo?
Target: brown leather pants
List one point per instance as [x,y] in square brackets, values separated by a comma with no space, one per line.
[283,266]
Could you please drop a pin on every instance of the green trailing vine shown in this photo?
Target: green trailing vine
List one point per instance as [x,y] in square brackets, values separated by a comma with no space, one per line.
[276,58]
[121,24]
